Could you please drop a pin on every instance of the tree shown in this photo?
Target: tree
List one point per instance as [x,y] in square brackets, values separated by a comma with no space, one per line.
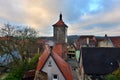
[18,38]
[7,30]
[27,37]
[7,42]
[113,76]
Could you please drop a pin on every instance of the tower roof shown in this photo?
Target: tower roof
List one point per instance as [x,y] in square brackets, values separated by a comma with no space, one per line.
[60,22]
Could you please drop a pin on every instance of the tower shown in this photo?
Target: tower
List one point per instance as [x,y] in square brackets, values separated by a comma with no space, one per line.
[60,31]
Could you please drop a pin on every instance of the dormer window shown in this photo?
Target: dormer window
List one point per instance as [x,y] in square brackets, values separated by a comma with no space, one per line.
[49,64]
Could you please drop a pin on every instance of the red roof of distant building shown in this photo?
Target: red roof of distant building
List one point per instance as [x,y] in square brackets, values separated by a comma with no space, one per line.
[5,38]
[91,38]
[62,65]
[115,41]
[82,40]
[30,73]
[43,41]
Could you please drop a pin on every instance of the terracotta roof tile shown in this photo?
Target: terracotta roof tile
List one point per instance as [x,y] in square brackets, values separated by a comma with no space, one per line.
[116,41]
[5,38]
[58,49]
[82,40]
[30,73]
[60,23]
[62,65]
[43,58]
[43,41]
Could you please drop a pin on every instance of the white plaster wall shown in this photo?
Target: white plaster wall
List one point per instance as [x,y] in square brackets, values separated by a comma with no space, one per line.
[105,44]
[52,70]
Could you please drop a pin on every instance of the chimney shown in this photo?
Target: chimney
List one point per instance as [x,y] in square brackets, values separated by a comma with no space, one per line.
[87,41]
[106,37]
[51,44]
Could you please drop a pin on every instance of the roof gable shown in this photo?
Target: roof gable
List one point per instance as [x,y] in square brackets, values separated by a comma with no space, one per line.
[115,41]
[63,66]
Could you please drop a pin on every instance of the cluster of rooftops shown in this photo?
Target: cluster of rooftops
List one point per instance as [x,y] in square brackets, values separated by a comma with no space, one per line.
[98,56]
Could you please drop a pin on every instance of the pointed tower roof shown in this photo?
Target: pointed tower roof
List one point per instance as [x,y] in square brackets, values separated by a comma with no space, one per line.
[60,22]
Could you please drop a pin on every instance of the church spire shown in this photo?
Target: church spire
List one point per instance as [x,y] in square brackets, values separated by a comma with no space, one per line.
[60,16]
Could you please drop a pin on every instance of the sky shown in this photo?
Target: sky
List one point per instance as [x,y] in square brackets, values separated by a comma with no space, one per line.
[83,17]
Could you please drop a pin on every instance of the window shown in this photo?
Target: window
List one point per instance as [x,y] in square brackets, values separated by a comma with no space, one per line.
[49,63]
[55,77]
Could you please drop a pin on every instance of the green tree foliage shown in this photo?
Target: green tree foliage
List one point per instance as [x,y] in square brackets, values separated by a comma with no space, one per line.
[17,71]
[114,76]
[17,38]
[23,40]
[33,62]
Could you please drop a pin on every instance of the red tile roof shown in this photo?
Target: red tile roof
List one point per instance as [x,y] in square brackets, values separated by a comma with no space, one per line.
[5,38]
[82,40]
[43,41]
[58,49]
[43,58]
[62,65]
[30,73]
[115,41]
[61,50]
[60,23]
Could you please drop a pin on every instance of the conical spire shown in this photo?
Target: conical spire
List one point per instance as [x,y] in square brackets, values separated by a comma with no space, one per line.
[60,16]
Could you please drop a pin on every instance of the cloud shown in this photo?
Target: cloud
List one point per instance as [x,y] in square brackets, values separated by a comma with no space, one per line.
[103,23]
[95,17]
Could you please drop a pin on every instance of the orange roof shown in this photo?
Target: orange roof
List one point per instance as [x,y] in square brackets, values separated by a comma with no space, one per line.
[115,41]
[43,41]
[62,65]
[43,58]
[60,22]
[5,38]
[83,40]
[58,49]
